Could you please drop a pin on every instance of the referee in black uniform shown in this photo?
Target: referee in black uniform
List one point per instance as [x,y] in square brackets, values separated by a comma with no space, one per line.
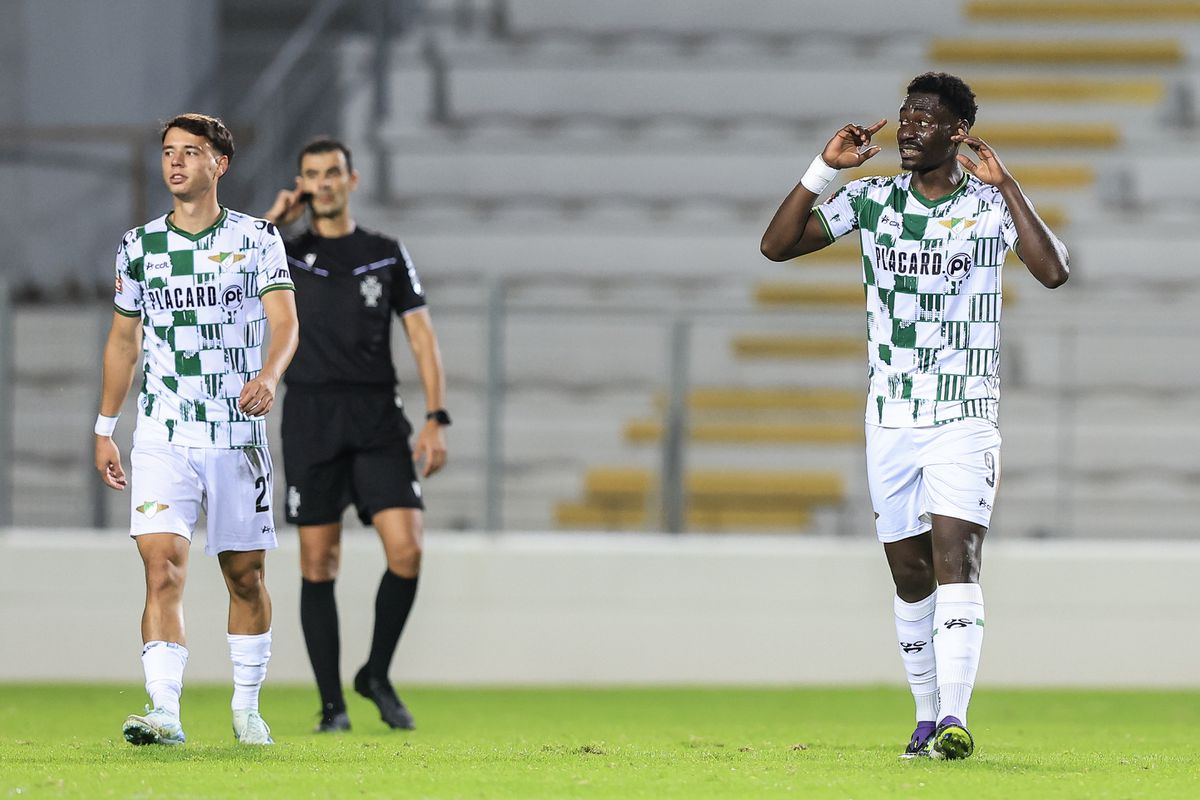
[345,436]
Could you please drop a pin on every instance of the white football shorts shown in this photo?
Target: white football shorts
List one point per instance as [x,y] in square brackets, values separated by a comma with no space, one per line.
[170,485]
[951,470]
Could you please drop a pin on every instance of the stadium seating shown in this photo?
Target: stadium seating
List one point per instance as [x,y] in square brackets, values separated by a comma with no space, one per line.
[623,498]
[615,163]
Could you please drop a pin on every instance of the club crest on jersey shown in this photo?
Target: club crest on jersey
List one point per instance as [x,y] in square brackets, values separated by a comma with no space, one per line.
[957,226]
[371,290]
[222,258]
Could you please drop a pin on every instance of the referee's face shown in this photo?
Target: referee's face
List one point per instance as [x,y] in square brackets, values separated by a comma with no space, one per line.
[329,179]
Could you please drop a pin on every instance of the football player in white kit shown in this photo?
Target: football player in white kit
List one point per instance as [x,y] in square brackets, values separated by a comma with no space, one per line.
[934,240]
[197,290]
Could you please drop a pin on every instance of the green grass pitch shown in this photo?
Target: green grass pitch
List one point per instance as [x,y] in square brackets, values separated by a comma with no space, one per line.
[65,741]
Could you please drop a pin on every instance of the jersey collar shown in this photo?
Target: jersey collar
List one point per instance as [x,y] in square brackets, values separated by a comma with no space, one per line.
[925,201]
[195,237]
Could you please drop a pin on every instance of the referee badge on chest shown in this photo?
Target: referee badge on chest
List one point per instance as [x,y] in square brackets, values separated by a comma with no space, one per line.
[371,290]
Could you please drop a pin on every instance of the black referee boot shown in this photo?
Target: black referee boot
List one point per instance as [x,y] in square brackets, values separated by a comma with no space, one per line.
[333,721]
[380,692]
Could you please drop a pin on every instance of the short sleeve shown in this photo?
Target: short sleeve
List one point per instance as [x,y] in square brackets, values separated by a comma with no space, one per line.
[127,286]
[1008,228]
[273,272]
[407,292]
[839,214]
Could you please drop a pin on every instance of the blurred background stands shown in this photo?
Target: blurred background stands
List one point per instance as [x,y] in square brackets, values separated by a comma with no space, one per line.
[583,187]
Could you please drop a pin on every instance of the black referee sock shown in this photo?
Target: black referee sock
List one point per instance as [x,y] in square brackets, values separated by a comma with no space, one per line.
[393,602]
[319,619]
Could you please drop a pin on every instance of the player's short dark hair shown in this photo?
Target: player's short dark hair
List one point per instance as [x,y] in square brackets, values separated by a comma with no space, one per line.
[326,144]
[952,91]
[211,128]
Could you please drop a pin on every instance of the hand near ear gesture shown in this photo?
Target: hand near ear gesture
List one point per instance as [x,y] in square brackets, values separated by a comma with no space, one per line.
[990,169]
[851,146]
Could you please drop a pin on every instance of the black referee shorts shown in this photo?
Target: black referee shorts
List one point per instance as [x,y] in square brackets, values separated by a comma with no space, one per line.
[342,447]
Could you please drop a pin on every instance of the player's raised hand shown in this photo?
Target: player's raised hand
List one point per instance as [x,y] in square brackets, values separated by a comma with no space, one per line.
[990,169]
[257,396]
[851,146]
[288,206]
[430,449]
[108,463]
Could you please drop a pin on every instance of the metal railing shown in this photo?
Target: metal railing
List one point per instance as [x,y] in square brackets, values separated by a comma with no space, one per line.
[567,350]
[7,417]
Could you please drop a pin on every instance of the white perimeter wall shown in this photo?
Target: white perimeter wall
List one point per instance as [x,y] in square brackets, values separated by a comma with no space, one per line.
[616,609]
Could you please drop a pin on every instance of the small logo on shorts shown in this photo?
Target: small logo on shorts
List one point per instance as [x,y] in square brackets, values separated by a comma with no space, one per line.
[983,503]
[267,530]
[293,501]
[152,507]
[416,488]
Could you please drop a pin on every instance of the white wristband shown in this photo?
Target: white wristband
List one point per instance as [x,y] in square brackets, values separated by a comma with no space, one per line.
[818,176]
[106,425]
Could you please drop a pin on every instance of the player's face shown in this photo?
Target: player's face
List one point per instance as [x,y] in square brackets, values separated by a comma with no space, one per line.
[328,178]
[190,165]
[923,135]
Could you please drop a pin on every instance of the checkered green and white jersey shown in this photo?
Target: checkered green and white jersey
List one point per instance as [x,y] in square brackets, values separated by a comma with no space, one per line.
[932,271]
[199,297]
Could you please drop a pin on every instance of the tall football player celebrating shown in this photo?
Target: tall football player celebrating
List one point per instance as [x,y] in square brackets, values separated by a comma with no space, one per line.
[934,240]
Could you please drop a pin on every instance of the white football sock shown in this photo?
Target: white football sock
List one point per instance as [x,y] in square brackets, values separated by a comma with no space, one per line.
[163,663]
[250,654]
[914,632]
[958,640]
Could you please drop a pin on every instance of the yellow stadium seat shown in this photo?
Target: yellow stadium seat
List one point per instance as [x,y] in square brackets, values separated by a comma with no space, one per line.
[808,294]
[1074,135]
[757,399]
[1069,90]
[1160,52]
[786,346]
[645,431]
[1153,11]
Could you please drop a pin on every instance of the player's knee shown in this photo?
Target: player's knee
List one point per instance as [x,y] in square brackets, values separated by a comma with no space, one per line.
[319,568]
[246,585]
[164,577]
[405,560]
[913,578]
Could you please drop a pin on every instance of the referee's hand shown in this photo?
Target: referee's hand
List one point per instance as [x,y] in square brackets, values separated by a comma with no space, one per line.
[430,449]
[288,207]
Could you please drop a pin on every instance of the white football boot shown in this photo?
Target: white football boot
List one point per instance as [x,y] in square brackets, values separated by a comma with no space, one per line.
[155,727]
[250,728]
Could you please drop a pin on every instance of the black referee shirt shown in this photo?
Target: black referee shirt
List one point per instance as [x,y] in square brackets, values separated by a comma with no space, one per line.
[346,291]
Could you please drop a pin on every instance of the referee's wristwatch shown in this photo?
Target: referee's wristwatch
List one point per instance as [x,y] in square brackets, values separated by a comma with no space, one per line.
[441,416]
